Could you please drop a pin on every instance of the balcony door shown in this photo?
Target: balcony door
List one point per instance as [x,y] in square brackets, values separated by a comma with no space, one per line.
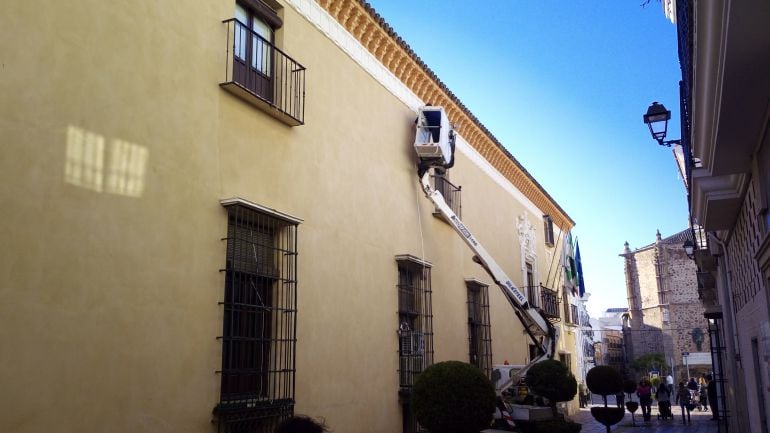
[253,59]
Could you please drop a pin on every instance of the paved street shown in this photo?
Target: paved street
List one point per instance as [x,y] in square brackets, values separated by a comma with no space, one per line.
[701,422]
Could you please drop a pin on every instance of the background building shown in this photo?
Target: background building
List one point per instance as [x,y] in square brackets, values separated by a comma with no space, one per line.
[608,329]
[725,157]
[585,340]
[665,315]
[211,219]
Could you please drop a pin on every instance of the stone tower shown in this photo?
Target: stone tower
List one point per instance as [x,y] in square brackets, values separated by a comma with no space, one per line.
[665,313]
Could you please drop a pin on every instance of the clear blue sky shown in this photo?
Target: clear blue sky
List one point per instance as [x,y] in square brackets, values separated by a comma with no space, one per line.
[563,85]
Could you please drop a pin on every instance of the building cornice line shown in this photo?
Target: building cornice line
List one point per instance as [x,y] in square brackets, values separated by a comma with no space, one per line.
[389,58]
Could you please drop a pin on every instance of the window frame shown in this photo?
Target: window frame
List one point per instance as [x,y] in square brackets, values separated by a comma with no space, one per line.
[548,231]
[413,283]
[452,193]
[479,326]
[257,374]
[415,318]
[253,53]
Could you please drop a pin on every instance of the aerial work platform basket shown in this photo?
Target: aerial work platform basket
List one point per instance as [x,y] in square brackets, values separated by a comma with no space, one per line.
[433,139]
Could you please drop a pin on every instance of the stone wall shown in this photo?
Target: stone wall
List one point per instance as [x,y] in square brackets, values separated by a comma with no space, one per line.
[665,286]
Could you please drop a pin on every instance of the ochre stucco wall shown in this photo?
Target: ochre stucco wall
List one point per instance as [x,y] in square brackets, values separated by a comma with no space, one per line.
[110,292]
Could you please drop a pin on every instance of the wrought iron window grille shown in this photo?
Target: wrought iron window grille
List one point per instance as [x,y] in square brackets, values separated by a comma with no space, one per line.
[479,328]
[451,192]
[259,322]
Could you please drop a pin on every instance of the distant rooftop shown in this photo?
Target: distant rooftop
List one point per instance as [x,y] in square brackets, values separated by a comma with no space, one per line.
[675,239]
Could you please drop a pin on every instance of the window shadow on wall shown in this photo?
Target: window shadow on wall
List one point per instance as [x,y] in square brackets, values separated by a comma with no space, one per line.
[119,168]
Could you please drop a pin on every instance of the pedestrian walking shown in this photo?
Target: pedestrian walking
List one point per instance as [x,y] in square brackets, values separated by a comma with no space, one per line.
[583,395]
[664,402]
[644,392]
[692,385]
[670,383]
[711,390]
[684,401]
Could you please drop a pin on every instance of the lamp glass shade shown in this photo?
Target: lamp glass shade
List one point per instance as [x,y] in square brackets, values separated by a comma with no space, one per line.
[689,248]
[657,118]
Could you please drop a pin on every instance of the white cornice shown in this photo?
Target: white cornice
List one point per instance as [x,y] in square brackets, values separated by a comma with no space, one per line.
[711,193]
[710,36]
[337,33]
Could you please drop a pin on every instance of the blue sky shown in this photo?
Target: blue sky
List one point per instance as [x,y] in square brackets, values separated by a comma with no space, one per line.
[563,85]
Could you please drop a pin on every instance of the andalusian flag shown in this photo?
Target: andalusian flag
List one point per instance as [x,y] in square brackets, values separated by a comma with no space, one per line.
[581,283]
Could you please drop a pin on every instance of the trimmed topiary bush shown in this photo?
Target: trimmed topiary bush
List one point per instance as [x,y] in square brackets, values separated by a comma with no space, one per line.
[553,380]
[604,380]
[608,416]
[453,397]
[629,387]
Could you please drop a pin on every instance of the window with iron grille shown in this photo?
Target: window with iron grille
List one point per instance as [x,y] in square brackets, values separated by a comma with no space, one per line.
[479,333]
[415,319]
[259,320]
[574,314]
[451,192]
[415,329]
[548,229]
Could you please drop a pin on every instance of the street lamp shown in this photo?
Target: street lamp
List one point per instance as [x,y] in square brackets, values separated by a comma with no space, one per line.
[689,248]
[657,118]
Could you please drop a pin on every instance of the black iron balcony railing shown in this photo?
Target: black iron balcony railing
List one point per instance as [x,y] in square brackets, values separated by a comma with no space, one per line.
[263,75]
[450,192]
[545,299]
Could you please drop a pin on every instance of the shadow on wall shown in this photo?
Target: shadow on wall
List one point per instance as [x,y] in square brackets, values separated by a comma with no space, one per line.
[85,163]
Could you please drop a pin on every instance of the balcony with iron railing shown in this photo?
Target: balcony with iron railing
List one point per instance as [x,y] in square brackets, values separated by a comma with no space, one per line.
[451,193]
[545,300]
[263,75]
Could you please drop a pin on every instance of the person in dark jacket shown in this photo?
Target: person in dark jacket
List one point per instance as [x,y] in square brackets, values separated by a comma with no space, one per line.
[711,390]
[692,384]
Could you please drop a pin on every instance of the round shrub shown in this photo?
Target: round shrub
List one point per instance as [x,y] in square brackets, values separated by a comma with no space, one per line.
[553,380]
[604,380]
[632,406]
[608,416]
[453,397]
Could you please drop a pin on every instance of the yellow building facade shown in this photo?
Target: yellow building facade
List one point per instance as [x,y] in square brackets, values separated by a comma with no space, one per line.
[158,207]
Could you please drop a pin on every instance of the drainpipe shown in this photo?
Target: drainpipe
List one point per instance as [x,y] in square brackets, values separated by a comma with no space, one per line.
[732,331]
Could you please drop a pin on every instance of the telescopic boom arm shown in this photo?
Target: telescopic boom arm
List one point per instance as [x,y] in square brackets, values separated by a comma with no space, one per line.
[434,143]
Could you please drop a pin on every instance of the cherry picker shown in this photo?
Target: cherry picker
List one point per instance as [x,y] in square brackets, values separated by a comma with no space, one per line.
[435,144]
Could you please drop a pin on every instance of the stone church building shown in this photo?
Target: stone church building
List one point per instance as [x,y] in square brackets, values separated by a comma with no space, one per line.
[664,312]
